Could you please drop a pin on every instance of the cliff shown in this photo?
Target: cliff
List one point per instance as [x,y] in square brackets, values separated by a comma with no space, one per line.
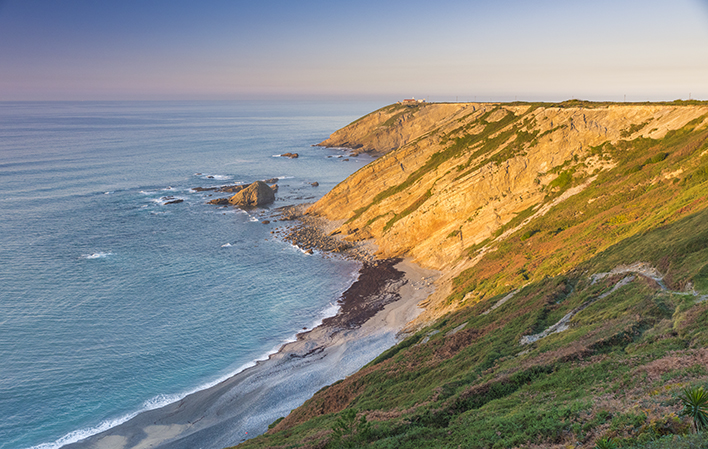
[573,241]
[462,173]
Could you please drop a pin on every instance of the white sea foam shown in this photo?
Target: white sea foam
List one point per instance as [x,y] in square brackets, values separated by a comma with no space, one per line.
[226,245]
[224,210]
[293,246]
[98,255]
[165,399]
[166,199]
[161,400]
[331,310]
[78,435]
[213,176]
[151,404]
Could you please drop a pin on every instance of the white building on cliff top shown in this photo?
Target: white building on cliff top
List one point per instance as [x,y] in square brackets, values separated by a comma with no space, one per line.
[411,100]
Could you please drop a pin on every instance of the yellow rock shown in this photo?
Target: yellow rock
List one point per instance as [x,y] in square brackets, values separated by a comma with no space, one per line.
[433,212]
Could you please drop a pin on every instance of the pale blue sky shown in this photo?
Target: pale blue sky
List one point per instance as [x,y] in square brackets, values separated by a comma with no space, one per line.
[230,49]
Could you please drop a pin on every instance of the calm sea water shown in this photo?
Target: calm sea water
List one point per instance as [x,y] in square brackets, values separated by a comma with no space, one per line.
[113,302]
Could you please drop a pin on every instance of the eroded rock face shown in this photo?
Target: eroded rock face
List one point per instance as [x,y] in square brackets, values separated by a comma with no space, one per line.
[390,127]
[453,174]
[256,194]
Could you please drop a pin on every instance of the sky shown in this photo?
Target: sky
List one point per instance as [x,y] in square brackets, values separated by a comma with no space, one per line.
[501,50]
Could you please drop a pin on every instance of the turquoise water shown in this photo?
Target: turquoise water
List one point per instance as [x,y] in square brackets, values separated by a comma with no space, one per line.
[113,302]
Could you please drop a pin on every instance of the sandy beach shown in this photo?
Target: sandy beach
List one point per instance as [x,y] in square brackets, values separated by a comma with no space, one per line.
[374,310]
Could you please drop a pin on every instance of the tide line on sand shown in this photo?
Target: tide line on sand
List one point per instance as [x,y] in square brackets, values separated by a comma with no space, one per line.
[371,313]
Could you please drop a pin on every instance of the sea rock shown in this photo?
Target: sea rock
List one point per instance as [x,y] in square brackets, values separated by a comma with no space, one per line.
[290,155]
[231,188]
[315,184]
[256,194]
[271,181]
[219,201]
[171,200]
[274,187]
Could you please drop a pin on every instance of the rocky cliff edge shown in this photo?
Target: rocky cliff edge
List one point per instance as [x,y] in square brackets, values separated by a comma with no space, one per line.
[455,177]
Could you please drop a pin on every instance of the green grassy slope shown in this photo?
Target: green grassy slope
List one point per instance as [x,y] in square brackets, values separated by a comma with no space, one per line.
[625,262]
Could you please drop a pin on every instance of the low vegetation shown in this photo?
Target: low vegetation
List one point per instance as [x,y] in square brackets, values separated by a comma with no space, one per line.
[584,327]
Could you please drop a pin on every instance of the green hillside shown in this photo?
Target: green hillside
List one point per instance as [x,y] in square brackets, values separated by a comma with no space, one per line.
[584,323]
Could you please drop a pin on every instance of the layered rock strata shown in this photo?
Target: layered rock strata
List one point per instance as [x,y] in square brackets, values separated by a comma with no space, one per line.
[455,177]
[454,174]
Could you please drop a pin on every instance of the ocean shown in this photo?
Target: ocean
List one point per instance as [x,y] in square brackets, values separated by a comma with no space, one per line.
[114,301]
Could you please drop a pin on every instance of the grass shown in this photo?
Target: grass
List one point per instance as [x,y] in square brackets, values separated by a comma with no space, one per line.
[616,374]
[630,204]
[476,389]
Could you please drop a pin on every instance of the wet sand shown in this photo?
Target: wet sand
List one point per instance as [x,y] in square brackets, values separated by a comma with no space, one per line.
[374,310]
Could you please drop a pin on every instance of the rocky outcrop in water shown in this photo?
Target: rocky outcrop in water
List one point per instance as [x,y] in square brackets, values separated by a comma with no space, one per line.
[256,194]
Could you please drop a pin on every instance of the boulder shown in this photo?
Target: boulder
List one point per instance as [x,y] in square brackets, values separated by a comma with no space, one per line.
[256,194]
[219,201]
[290,155]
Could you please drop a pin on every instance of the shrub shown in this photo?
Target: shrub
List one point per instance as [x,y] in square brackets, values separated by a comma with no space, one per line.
[606,443]
[695,406]
[348,432]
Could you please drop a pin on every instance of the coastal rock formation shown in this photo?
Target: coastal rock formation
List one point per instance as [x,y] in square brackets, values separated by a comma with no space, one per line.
[290,155]
[572,240]
[232,188]
[256,194]
[235,188]
[390,127]
[454,179]
[478,167]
